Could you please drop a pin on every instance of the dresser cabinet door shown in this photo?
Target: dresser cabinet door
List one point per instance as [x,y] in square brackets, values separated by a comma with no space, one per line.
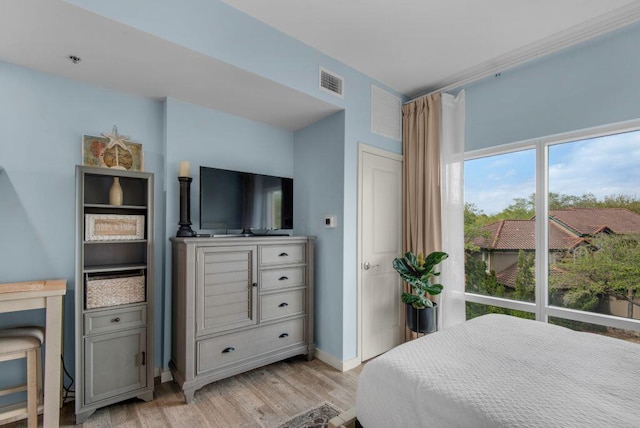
[115,363]
[226,290]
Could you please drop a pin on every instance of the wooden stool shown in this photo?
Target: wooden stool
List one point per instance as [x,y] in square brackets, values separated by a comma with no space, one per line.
[23,342]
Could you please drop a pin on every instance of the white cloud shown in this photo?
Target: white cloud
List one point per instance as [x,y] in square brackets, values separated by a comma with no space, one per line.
[601,166]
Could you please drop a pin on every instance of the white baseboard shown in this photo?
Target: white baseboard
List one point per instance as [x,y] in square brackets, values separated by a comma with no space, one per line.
[337,364]
[166,376]
[351,364]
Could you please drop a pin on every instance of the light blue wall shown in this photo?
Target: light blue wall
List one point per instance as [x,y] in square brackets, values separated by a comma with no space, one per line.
[318,190]
[592,84]
[42,119]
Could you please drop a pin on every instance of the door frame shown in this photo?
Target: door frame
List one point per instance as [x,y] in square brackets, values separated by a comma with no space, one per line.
[365,148]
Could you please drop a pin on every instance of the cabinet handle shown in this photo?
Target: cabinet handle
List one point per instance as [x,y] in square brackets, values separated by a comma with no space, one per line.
[144,358]
[229,349]
[283,255]
[283,278]
[283,305]
[255,284]
[116,319]
[283,335]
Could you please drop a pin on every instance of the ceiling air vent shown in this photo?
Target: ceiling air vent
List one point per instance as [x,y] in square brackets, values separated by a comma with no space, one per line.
[331,82]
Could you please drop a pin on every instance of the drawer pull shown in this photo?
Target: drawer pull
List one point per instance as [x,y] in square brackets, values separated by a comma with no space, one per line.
[116,319]
[283,278]
[283,335]
[283,305]
[144,358]
[283,255]
[255,284]
[229,349]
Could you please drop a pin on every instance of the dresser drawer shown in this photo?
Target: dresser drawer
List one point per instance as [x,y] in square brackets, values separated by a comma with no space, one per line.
[232,348]
[281,254]
[272,279]
[284,304]
[115,319]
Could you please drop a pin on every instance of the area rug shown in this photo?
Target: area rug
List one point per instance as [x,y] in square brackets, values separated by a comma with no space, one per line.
[314,418]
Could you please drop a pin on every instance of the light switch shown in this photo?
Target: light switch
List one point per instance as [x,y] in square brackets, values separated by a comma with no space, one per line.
[330,221]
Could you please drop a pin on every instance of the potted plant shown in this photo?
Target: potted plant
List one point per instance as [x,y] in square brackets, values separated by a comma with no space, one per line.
[419,272]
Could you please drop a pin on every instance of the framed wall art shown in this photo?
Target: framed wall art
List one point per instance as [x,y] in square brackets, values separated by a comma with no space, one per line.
[112,151]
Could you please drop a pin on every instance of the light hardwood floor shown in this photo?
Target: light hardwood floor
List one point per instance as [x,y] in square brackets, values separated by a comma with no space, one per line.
[264,397]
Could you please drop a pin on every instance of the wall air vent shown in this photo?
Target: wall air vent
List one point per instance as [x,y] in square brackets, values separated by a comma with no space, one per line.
[331,82]
[386,113]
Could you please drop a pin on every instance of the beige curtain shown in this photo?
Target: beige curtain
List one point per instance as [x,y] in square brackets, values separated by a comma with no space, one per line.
[421,171]
[421,227]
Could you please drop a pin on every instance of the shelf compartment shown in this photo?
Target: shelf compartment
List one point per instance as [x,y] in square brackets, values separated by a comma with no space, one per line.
[106,253]
[120,288]
[96,190]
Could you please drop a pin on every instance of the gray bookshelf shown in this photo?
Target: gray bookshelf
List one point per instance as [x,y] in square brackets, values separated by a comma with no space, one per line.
[114,289]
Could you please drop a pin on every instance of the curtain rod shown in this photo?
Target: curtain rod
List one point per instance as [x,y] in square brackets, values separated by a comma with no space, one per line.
[457,84]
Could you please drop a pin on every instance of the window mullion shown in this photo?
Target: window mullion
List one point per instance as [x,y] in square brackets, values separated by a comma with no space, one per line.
[542,232]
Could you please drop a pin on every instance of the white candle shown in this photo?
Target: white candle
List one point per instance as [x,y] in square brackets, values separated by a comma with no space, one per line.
[184,169]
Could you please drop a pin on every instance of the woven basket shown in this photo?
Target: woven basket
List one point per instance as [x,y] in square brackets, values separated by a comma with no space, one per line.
[114,290]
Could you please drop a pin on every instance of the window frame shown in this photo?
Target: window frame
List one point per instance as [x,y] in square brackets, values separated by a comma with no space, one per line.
[541,307]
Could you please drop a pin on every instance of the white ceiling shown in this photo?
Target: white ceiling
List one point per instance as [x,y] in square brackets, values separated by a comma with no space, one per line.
[416,46]
[413,46]
[40,34]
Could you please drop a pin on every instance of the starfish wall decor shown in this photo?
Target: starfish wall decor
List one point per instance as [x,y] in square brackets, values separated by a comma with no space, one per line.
[112,150]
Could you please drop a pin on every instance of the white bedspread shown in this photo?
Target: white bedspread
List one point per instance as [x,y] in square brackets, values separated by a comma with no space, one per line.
[501,371]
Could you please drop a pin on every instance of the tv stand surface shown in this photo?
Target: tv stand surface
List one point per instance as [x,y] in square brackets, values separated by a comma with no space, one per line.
[250,235]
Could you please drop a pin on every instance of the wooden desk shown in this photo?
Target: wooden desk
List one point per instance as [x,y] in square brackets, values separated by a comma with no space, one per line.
[22,296]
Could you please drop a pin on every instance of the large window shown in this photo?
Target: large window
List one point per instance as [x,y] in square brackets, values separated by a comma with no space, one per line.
[499,230]
[552,231]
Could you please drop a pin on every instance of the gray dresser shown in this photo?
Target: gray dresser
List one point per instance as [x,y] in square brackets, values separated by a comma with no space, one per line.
[238,304]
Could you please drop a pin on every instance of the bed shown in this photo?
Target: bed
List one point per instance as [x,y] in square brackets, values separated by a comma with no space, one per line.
[502,371]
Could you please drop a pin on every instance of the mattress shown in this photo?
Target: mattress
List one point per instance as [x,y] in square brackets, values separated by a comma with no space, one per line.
[502,371]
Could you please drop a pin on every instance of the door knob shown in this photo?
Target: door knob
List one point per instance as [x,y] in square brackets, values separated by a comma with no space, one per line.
[368,266]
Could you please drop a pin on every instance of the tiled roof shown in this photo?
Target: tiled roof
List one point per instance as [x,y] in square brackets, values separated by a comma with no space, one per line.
[590,221]
[507,276]
[520,234]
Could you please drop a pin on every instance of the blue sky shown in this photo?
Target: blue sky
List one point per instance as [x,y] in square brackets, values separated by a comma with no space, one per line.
[602,166]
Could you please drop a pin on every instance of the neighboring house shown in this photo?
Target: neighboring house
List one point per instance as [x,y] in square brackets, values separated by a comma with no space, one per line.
[569,229]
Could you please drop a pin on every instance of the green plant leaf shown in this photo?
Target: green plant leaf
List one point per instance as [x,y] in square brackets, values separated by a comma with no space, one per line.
[418,273]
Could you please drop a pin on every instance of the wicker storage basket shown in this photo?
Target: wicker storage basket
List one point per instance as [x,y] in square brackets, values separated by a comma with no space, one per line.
[111,290]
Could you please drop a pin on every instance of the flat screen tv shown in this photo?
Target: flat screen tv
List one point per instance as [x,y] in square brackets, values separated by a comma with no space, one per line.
[234,202]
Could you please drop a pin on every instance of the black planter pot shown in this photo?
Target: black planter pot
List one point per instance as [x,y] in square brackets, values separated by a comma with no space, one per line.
[422,320]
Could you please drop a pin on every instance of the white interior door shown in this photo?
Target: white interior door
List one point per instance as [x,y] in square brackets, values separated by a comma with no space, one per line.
[381,325]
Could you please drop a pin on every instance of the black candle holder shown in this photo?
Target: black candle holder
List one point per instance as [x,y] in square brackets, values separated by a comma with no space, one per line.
[184,231]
